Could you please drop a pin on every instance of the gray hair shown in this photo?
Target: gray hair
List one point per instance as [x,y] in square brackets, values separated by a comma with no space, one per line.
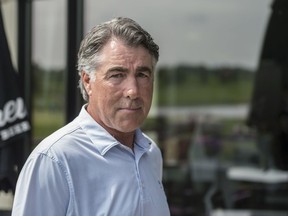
[125,29]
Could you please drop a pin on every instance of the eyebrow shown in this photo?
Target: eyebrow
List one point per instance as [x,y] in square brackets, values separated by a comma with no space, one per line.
[122,69]
[117,68]
[144,68]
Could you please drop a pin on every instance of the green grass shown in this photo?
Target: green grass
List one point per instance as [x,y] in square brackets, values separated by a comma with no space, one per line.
[173,89]
[193,92]
[46,121]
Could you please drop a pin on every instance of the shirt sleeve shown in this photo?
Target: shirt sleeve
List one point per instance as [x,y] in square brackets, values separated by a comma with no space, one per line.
[42,188]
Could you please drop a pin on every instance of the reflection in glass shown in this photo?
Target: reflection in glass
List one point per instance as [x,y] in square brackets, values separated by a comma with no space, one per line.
[209,53]
[49,46]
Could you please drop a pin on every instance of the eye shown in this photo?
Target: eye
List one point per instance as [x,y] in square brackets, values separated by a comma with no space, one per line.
[117,75]
[144,74]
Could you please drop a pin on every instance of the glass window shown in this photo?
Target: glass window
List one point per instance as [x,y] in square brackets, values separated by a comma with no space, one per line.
[209,56]
[49,63]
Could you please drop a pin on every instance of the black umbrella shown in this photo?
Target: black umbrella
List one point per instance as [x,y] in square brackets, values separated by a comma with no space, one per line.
[269,106]
[13,117]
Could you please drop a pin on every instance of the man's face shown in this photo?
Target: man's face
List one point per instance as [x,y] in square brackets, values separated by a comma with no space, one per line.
[121,95]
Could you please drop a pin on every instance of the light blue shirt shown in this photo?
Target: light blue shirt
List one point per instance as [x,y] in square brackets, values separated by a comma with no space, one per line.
[81,170]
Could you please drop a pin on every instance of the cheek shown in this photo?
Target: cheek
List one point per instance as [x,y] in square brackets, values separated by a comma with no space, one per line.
[148,92]
[109,96]
[97,95]
[98,90]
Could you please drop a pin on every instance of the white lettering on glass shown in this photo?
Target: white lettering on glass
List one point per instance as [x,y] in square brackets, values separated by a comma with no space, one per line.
[14,130]
[12,110]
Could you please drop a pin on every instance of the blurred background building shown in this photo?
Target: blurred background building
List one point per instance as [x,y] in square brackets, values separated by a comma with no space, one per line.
[220,109]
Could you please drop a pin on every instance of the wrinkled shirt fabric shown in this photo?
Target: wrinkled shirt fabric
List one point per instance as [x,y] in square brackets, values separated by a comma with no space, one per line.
[81,170]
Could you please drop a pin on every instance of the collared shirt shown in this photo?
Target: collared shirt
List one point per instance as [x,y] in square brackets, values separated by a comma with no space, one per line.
[81,170]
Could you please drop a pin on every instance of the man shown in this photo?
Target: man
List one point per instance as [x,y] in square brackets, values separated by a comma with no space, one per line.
[101,163]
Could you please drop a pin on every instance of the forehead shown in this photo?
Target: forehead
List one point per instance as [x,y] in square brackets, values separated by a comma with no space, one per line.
[117,50]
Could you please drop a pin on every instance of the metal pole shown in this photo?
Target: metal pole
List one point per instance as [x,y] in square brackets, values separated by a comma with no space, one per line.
[24,61]
[74,36]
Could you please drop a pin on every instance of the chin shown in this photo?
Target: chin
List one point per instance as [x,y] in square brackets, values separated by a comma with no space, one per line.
[128,128]
[129,125]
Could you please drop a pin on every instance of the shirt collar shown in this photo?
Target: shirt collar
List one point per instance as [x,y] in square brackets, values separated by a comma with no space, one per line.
[103,140]
[142,140]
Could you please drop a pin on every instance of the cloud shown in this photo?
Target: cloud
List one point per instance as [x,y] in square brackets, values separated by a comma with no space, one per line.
[212,32]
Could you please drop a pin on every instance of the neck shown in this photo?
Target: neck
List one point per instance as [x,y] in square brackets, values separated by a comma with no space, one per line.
[126,139]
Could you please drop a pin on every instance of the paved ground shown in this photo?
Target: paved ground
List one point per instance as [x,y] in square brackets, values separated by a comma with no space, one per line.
[6,200]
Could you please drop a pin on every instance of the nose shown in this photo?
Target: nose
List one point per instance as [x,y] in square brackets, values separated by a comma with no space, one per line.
[131,90]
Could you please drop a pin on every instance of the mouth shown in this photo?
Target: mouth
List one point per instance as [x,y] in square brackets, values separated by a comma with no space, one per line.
[130,108]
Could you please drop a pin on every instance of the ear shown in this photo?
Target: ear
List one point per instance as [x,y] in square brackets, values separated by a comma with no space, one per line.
[86,82]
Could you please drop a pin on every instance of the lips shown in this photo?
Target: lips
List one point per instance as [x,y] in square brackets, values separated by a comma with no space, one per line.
[131,108]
